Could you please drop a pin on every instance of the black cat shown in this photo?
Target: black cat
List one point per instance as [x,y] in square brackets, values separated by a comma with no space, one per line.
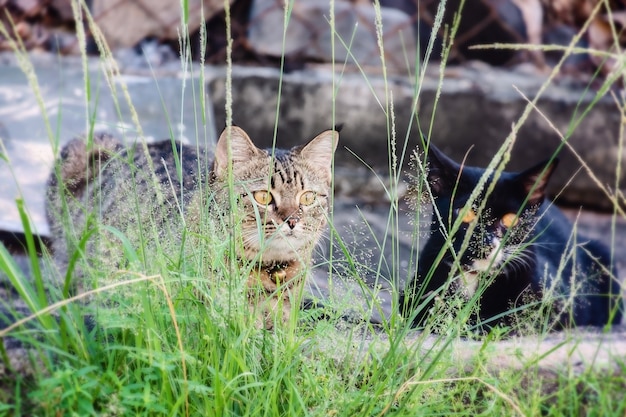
[510,248]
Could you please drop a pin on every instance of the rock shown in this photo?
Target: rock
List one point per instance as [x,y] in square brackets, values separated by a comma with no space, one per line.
[16,18]
[483,22]
[27,145]
[475,112]
[308,35]
[63,8]
[28,7]
[543,360]
[148,18]
[578,350]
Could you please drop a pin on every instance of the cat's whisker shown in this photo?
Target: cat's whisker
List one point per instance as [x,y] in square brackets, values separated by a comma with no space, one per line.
[519,262]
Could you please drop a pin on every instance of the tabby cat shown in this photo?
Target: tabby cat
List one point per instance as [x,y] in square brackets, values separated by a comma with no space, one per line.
[507,249]
[279,200]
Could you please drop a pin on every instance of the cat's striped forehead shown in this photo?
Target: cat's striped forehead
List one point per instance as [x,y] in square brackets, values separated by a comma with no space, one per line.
[289,169]
[293,167]
[286,171]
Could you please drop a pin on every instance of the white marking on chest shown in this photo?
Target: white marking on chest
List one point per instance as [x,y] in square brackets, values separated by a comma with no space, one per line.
[468,282]
[469,279]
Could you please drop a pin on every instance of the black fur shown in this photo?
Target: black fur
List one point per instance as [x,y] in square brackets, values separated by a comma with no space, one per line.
[543,235]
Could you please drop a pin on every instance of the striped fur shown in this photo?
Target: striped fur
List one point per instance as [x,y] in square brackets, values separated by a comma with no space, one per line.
[291,229]
[161,186]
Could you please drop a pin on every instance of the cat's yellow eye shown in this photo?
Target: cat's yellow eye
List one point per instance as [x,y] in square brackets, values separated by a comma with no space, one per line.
[469,216]
[509,220]
[262,197]
[307,198]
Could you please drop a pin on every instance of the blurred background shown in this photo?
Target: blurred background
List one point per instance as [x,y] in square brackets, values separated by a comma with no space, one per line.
[311,67]
[256,28]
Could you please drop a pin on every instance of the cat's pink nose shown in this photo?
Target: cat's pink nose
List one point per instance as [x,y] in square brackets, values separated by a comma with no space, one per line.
[292,221]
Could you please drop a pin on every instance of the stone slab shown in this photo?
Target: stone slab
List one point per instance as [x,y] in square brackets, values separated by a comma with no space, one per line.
[149,18]
[543,360]
[352,39]
[476,108]
[163,105]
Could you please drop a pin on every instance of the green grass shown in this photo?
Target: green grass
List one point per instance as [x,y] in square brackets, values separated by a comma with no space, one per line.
[174,334]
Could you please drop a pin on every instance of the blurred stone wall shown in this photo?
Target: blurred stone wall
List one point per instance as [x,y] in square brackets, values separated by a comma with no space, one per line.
[339,73]
[260,35]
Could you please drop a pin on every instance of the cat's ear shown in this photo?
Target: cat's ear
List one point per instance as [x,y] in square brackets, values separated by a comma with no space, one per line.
[242,149]
[442,171]
[535,180]
[319,151]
